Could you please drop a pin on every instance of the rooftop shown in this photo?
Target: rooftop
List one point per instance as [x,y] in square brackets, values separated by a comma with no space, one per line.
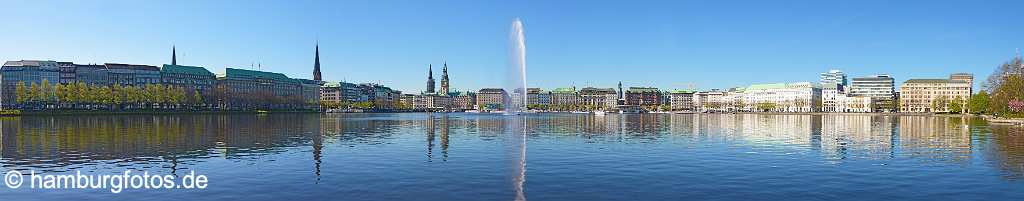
[780,86]
[642,90]
[252,74]
[933,81]
[194,70]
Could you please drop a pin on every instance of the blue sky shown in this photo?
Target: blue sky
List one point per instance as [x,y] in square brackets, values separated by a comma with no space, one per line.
[666,44]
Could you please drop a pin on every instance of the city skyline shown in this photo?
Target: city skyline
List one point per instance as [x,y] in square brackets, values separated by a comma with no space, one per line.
[476,47]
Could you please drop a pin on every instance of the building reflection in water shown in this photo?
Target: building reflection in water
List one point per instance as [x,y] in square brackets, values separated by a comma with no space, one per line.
[63,143]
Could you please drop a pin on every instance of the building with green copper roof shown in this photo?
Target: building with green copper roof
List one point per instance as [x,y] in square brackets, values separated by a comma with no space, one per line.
[250,89]
[192,79]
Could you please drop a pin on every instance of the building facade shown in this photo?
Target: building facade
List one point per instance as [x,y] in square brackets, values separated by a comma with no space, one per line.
[249,89]
[192,79]
[132,74]
[643,96]
[598,98]
[934,95]
[566,96]
[490,99]
[682,100]
[783,97]
[880,88]
[834,77]
[26,72]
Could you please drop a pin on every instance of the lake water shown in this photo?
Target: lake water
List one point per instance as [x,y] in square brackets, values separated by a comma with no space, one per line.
[418,156]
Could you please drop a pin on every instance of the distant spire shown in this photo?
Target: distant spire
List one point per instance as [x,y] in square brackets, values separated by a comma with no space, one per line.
[174,56]
[316,64]
[430,78]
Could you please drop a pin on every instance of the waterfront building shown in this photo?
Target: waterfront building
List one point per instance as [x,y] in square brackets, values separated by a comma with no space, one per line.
[428,102]
[67,72]
[91,74]
[537,96]
[490,99]
[598,98]
[965,77]
[463,100]
[250,89]
[834,77]
[682,100]
[783,97]
[854,104]
[26,72]
[935,95]
[831,93]
[382,97]
[190,78]
[880,88]
[310,92]
[132,74]
[331,92]
[710,101]
[342,92]
[566,96]
[643,96]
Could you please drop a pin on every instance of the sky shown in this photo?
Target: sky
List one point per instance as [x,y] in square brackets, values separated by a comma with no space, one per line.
[665,44]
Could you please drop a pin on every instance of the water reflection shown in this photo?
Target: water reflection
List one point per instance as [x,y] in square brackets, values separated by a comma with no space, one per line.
[173,142]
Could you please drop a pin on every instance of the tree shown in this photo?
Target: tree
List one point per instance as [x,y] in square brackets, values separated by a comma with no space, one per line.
[197,99]
[939,104]
[35,93]
[956,105]
[1012,88]
[21,93]
[45,92]
[997,78]
[117,95]
[978,103]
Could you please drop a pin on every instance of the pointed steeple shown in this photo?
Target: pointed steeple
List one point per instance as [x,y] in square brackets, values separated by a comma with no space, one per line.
[174,56]
[316,64]
[430,79]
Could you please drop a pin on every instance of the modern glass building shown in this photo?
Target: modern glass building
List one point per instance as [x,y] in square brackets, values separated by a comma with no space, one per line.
[880,88]
[27,72]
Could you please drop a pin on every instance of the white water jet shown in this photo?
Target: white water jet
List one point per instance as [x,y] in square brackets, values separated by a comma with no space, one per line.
[515,103]
[515,82]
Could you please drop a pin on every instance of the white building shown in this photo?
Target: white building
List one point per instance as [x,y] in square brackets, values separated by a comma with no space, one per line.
[710,101]
[783,97]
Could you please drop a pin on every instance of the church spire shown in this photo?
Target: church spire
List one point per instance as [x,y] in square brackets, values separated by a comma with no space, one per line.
[430,79]
[174,56]
[316,64]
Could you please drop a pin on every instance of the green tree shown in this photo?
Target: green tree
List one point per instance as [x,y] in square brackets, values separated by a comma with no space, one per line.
[939,104]
[956,105]
[35,92]
[117,96]
[979,103]
[197,98]
[45,92]
[22,94]
[1012,88]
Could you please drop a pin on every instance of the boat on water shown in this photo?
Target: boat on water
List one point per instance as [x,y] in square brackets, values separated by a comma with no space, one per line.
[599,113]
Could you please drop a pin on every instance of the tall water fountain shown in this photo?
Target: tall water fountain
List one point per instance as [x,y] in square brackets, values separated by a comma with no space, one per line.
[515,103]
[515,82]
